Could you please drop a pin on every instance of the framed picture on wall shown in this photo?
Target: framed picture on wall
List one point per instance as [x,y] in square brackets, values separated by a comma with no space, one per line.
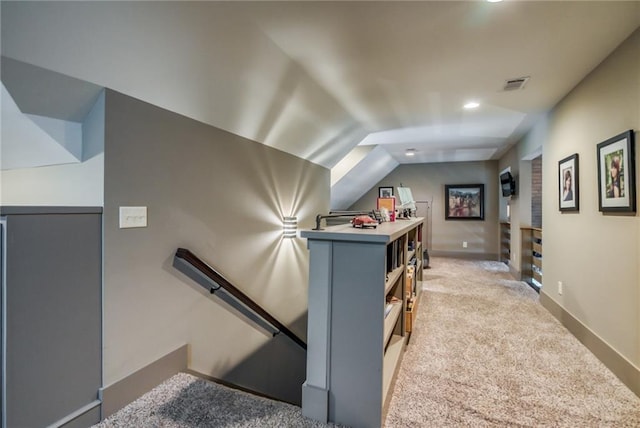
[616,174]
[568,196]
[464,201]
[385,192]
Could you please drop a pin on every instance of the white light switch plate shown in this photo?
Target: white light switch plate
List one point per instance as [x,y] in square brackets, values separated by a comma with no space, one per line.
[133,217]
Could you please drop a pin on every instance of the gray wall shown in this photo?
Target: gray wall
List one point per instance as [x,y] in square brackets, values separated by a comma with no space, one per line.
[596,256]
[53,316]
[427,183]
[223,197]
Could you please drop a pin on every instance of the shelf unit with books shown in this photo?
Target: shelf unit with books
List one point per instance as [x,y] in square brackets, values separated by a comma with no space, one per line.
[505,242]
[413,275]
[531,262]
[356,334]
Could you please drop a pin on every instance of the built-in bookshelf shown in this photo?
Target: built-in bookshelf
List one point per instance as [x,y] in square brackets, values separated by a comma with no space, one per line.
[531,263]
[360,298]
[413,282]
[505,242]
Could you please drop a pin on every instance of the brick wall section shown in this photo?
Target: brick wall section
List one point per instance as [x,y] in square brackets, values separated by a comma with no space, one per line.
[536,192]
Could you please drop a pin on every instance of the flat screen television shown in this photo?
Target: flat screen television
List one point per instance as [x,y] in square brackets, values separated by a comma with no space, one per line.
[508,184]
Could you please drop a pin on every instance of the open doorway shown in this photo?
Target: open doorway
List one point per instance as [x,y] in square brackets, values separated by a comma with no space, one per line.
[536,192]
[536,223]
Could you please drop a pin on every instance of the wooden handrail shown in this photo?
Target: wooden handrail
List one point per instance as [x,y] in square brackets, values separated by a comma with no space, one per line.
[221,281]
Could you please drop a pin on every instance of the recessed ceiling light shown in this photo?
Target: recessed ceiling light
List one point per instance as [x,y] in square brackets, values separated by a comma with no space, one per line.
[410,152]
[494,1]
[471,104]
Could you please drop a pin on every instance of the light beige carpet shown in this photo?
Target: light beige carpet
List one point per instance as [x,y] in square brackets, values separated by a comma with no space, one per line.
[185,401]
[486,354]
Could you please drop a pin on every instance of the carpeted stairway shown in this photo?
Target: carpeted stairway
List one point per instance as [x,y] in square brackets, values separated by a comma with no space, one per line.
[484,353]
[185,401]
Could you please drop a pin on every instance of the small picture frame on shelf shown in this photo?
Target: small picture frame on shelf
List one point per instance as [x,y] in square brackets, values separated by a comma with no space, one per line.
[385,192]
[387,206]
[616,174]
[569,197]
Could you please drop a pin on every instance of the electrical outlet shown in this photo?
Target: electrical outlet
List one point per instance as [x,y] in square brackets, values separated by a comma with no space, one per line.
[560,288]
[464,244]
[133,217]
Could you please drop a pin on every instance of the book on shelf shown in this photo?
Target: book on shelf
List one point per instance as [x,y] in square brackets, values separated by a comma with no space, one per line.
[387,309]
[394,255]
[410,304]
[391,301]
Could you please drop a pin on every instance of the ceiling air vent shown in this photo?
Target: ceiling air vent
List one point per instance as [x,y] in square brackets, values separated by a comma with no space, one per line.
[515,84]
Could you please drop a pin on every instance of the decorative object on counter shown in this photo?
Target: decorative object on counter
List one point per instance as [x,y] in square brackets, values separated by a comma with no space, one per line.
[363,221]
[388,204]
[407,204]
[404,214]
[616,174]
[376,214]
[336,214]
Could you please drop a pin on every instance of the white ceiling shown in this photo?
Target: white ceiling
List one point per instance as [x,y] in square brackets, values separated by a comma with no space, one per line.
[403,70]
[316,79]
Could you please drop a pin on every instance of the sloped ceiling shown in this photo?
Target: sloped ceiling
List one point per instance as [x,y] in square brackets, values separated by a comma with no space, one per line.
[42,114]
[316,79]
[26,144]
[370,169]
[41,92]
